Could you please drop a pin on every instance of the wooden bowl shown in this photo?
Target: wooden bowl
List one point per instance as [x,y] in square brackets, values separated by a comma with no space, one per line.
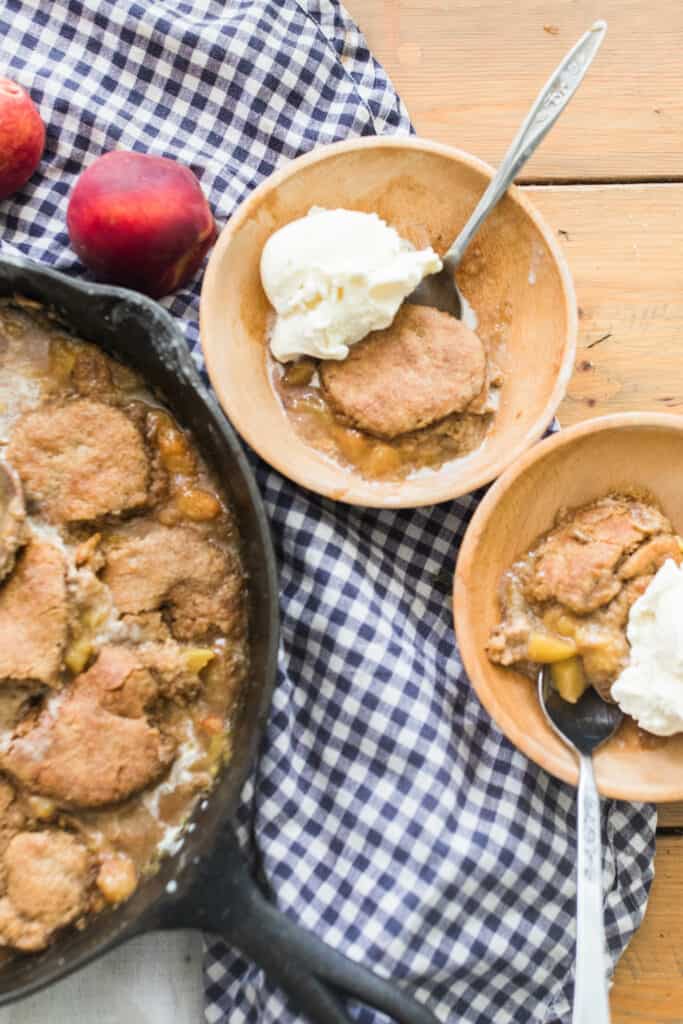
[426,191]
[571,468]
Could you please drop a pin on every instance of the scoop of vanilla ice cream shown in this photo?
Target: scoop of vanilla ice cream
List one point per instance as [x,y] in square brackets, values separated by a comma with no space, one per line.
[650,688]
[335,275]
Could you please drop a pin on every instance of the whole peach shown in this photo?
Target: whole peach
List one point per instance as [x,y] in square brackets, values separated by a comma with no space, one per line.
[22,137]
[140,221]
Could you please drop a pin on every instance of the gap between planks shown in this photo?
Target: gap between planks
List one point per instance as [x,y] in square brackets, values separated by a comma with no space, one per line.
[588,182]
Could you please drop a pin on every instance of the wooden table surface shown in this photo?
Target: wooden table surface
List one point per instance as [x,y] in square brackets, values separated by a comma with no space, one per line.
[609,179]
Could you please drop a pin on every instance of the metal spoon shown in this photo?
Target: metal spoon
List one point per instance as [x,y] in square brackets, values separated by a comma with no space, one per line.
[584,726]
[440,290]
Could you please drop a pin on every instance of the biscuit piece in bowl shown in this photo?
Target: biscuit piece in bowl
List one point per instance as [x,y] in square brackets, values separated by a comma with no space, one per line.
[566,542]
[410,418]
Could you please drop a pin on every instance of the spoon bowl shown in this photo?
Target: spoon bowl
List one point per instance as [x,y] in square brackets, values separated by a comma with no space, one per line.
[584,726]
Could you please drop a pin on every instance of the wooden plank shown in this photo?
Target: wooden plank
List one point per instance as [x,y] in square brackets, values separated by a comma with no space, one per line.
[469,69]
[670,816]
[624,246]
[648,987]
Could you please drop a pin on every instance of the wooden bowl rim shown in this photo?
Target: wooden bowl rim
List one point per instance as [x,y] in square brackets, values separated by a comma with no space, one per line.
[353,489]
[529,744]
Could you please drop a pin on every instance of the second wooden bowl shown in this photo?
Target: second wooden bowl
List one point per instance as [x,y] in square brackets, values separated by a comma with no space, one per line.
[516,279]
[571,468]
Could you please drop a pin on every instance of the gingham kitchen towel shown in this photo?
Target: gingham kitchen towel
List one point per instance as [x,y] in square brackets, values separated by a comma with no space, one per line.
[391,817]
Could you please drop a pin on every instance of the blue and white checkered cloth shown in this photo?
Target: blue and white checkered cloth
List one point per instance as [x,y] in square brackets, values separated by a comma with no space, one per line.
[391,816]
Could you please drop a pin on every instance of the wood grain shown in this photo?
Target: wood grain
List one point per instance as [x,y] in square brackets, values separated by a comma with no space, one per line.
[671,816]
[469,69]
[624,245]
[648,987]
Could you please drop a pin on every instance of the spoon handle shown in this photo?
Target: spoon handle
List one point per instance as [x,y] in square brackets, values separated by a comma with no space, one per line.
[549,104]
[591,1004]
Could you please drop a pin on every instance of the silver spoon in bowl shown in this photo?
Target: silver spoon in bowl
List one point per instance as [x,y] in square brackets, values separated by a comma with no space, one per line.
[440,290]
[583,727]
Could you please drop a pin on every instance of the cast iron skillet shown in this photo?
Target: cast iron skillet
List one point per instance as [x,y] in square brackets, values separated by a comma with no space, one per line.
[206,884]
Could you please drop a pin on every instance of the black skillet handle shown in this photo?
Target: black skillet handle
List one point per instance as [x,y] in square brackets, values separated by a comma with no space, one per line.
[225,900]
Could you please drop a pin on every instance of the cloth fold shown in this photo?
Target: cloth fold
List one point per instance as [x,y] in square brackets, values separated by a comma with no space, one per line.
[387,812]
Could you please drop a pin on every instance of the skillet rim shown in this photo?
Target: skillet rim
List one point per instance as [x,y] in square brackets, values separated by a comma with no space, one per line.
[151,906]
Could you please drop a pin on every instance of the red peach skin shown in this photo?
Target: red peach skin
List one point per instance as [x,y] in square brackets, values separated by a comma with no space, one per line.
[22,137]
[140,221]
